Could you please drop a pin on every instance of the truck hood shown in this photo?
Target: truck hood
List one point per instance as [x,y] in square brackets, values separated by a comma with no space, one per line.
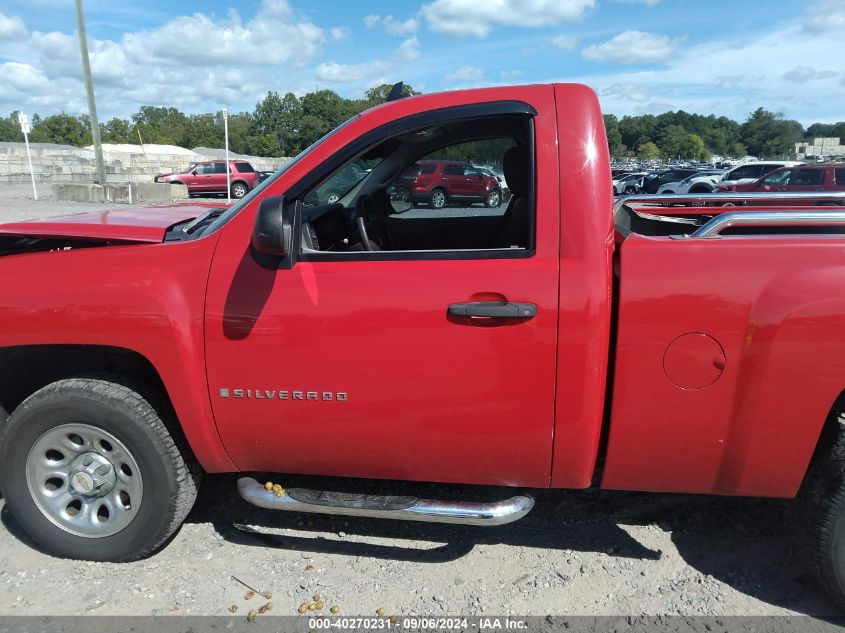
[139,224]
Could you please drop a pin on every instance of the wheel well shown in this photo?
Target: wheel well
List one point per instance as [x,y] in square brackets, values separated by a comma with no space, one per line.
[832,429]
[176,182]
[26,369]
[242,181]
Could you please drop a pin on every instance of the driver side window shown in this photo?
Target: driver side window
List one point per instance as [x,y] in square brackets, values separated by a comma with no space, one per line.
[422,193]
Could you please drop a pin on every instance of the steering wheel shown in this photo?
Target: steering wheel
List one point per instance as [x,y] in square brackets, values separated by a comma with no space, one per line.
[365,208]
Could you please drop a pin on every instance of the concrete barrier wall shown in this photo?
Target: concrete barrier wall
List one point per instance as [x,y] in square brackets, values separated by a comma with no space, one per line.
[141,192]
[63,163]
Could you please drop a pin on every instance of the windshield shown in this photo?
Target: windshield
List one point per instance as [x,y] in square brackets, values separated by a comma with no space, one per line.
[341,182]
[187,169]
[236,208]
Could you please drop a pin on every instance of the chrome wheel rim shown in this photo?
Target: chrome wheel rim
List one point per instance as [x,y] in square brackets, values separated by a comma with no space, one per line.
[240,191]
[84,480]
[438,199]
[333,198]
[493,199]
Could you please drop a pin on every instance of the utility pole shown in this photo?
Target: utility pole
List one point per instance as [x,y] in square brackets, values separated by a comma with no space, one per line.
[89,88]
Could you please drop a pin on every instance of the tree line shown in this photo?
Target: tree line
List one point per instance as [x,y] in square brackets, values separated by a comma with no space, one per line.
[283,125]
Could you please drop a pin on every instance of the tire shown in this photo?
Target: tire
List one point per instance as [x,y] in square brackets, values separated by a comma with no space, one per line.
[630,189]
[438,198]
[239,190]
[65,430]
[493,199]
[822,507]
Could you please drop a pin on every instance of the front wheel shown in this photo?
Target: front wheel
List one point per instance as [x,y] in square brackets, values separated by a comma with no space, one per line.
[494,198]
[90,471]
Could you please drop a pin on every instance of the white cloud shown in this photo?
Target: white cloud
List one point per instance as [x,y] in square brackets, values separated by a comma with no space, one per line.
[195,63]
[11,28]
[335,73]
[827,15]
[471,18]
[466,74]
[564,42]
[371,73]
[511,74]
[397,27]
[631,92]
[339,33]
[758,64]
[632,47]
[392,25]
[803,74]
[648,3]
[408,50]
[272,36]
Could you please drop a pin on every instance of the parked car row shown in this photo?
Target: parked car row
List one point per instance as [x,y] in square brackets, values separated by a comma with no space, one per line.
[210,178]
[694,180]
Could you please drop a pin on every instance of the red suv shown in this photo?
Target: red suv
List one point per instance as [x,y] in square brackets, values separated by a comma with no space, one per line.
[800,179]
[439,182]
[210,177]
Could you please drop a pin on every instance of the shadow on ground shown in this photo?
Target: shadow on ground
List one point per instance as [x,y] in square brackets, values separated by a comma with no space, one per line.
[749,544]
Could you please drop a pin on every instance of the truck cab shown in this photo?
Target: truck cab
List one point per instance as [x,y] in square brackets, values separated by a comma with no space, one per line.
[556,341]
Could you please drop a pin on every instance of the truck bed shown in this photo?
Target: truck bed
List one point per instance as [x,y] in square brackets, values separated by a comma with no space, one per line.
[717,386]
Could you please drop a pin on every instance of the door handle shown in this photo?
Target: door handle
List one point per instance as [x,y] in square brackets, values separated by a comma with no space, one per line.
[494,309]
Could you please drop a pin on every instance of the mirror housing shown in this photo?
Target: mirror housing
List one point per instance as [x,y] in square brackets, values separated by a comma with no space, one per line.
[272,234]
[193,172]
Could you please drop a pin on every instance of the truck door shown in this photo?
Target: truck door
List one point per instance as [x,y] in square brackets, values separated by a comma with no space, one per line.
[370,363]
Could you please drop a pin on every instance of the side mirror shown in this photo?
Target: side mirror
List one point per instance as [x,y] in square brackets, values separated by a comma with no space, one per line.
[193,172]
[273,231]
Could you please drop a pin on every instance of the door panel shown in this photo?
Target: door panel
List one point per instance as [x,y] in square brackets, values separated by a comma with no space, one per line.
[390,386]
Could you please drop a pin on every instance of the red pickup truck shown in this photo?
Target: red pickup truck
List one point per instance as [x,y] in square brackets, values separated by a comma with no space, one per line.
[555,342]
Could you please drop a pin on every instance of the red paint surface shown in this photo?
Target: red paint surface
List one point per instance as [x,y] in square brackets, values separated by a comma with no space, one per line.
[431,399]
[142,224]
[777,307]
[693,361]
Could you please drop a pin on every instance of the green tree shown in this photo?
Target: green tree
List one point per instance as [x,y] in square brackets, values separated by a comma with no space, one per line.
[636,130]
[672,141]
[692,146]
[116,131]
[64,129]
[767,133]
[379,94]
[167,126]
[9,128]
[205,130]
[738,149]
[276,123]
[648,151]
[614,136]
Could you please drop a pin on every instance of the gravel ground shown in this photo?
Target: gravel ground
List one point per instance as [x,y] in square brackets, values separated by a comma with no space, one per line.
[577,553]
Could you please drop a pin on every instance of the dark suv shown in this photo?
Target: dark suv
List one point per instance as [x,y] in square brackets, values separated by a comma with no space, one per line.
[210,177]
[652,182]
[439,182]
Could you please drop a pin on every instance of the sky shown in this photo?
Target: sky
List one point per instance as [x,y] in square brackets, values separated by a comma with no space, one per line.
[723,57]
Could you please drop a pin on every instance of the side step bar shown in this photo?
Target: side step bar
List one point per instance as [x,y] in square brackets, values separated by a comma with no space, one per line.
[386,507]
